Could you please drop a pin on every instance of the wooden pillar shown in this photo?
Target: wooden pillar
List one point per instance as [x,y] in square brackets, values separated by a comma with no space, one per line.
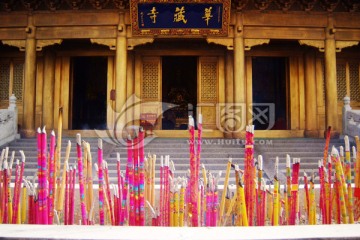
[120,74]
[310,96]
[229,95]
[130,89]
[29,81]
[48,89]
[239,74]
[331,118]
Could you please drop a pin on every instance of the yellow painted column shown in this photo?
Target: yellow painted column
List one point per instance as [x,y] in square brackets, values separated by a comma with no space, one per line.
[229,95]
[310,96]
[48,89]
[28,128]
[239,74]
[331,113]
[120,75]
[130,89]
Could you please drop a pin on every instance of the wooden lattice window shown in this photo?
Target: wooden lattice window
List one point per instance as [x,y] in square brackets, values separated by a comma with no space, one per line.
[4,80]
[354,82]
[341,81]
[11,79]
[150,80]
[348,80]
[209,82]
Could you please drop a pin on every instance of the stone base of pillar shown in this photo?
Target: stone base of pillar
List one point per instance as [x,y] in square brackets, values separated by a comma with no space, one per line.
[228,135]
[311,133]
[333,134]
[240,134]
[28,133]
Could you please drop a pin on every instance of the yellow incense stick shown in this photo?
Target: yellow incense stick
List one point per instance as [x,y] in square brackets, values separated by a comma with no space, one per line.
[60,202]
[177,208]
[340,178]
[23,205]
[153,181]
[276,206]
[85,176]
[182,205]
[57,163]
[10,209]
[244,217]
[223,196]
[312,205]
[349,197]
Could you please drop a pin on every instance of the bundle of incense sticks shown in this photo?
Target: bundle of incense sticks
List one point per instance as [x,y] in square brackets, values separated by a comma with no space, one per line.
[249,173]
[26,204]
[357,181]
[194,169]
[135,180]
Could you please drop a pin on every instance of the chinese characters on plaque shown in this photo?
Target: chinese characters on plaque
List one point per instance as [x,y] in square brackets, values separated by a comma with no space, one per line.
[179,18]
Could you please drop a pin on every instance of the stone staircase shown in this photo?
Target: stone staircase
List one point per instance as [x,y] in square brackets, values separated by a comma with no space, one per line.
[214,155]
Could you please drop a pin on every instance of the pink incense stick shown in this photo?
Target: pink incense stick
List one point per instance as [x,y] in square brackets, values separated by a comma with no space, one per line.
[40,178]
[306,187]
[322,192]
[101,182]
[136,180]
[81,180]
[118,171]
[209,198]
[161,190]
[72,195]
[193,183]
[108,192]
[6,192]
[45,213]
[166,192]
[294,190]
[51,177]
[131,177]
[17,190]
[67,196]
[141,177]
[16,193]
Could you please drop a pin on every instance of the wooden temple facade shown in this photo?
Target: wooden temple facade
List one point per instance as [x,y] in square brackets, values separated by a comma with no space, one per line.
[284,65]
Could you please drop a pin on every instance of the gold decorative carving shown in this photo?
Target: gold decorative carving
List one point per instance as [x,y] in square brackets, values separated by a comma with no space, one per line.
[133,42]
[150,81]
[344,44]
[209,82]
[16,43]
[43,43]
[110,42]
[249,42]
[227,42]
[314,43]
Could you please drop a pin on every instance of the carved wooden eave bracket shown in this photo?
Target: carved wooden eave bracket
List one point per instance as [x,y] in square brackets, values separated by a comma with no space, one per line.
[227,42]
[43,43]
[133,42]
[344,44]
[21,44]
[250,42]
[319,44]
[110,42]
[16,43]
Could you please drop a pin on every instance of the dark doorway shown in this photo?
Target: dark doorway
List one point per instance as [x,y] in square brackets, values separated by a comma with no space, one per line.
[269,93]
[89,86]
[179,91]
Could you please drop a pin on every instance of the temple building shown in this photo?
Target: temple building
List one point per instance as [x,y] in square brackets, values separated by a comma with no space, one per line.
[106,65]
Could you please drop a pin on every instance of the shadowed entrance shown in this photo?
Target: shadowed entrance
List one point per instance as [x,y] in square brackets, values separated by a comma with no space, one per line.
[269,93]
[89,81]
[179,91]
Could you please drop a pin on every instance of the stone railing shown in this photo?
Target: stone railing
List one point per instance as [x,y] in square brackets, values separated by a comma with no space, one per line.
[8,122]
[350,119]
